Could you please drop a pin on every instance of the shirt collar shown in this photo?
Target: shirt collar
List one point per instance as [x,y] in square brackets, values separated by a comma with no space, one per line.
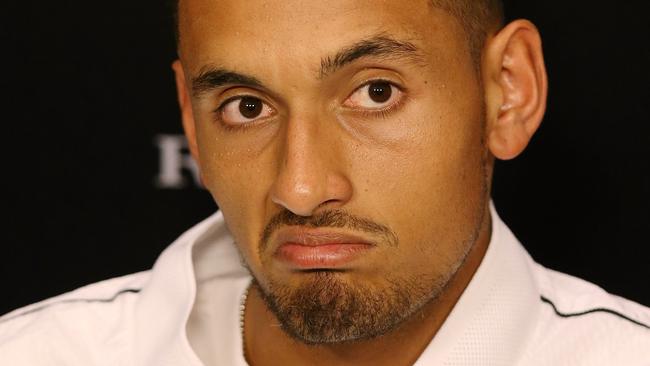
[166,301]
[496,314]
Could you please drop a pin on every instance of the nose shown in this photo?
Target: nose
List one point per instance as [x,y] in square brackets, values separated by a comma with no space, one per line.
[310,171]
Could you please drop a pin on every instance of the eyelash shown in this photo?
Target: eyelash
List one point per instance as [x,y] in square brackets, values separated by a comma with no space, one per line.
[385,112]
[232,128]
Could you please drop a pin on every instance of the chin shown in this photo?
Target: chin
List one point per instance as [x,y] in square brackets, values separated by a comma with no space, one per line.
[327,307]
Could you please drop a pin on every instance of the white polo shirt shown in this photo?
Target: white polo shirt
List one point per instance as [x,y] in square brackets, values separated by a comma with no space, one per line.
[185,311]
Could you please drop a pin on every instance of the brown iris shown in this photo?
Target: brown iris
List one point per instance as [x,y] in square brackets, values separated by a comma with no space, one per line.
[380,91]
[250,107]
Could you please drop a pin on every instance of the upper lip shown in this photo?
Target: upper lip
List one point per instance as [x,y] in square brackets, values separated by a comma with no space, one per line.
[315,237]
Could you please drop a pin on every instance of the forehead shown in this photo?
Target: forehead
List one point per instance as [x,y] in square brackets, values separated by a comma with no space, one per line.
[296,33]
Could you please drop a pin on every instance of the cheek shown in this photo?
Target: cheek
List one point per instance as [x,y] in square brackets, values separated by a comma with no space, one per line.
[437,152]
[234,164]
[430,188]
[238,178]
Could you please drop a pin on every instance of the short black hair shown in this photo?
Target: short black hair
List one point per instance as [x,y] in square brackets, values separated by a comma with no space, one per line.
[477,17]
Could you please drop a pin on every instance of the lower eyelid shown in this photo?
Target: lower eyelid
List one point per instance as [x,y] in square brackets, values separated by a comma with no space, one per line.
[381,112]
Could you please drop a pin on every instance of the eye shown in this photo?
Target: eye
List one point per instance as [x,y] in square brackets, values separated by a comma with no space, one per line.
[374,95]
[241,110]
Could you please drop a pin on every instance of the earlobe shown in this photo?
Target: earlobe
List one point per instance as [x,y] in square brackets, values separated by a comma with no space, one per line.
[185,105]
[516,88]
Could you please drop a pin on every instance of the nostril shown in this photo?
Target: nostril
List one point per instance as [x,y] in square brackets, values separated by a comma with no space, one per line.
[294,207]
[331,202]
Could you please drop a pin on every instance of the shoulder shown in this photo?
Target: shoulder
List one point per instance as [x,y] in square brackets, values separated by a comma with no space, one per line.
[582,324]
[72,326]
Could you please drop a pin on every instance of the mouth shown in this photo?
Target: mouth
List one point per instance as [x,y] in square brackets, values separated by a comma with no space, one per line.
[304,249]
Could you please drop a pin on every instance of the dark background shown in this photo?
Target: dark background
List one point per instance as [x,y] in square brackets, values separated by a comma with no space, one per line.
[87,88]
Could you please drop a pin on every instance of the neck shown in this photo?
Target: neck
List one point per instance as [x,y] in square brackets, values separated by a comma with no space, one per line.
[268,345]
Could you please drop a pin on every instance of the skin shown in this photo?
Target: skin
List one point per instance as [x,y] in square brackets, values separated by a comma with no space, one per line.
[423,169]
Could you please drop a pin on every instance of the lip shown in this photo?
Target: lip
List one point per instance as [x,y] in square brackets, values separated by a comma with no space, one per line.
[311,249]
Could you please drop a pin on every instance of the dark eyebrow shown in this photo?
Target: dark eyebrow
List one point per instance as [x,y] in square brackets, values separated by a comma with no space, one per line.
[211,78]
[379,45]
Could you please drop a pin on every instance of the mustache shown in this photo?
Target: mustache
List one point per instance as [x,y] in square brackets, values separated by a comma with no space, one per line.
[332,219]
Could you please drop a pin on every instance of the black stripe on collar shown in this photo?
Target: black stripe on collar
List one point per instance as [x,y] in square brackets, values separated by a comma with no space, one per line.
[591,311]
[68,301]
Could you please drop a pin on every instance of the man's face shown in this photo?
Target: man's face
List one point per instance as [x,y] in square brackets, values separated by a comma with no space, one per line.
[343,142]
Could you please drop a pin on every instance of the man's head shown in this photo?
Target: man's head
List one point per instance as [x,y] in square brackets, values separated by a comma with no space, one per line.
[350,144]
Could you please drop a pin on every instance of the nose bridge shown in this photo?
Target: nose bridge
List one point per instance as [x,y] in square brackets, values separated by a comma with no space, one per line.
[305,180]
[301,147]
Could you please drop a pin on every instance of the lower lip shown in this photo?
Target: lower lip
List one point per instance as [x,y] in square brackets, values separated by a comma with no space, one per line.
[325,256]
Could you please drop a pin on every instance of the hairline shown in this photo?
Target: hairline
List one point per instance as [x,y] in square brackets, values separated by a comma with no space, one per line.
[477,21]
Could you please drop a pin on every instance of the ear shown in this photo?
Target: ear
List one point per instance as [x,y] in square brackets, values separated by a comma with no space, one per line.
[516,88]
[185,104]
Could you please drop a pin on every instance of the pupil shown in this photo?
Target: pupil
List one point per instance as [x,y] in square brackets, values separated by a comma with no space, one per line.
[250,107]
[380,92]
